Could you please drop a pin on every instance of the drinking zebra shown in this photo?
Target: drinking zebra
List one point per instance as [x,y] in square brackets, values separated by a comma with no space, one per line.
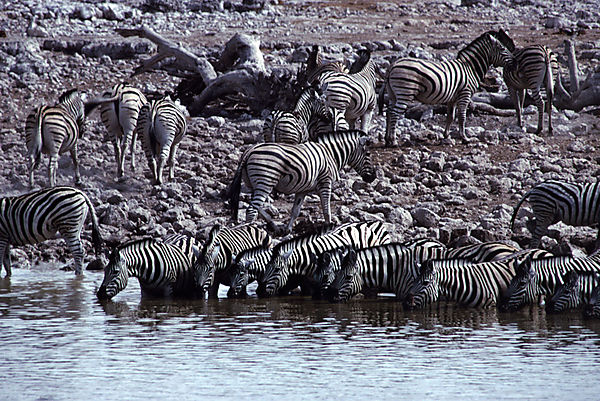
[249,265]
[592,309]
[120,119]
[353,93]
[450,82]
[537,278]
[163,270]
[53,131]
[394,267]
[531,68]
[576,204]
[162,125]
[575,292]
[310,118]
[300,170]
[296,261]
[40,215]
[220,250]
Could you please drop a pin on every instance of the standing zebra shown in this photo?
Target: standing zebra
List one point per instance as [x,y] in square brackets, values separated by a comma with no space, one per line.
[40,215]
[553,201]
[576,291]
[448,82]
[297,261]
[352,94]
[162,125]
[315,66]
[531,68]
[220,250]
[300,170]
[55,130]
[536,278]
[120,119]
[163,270]
[310,117]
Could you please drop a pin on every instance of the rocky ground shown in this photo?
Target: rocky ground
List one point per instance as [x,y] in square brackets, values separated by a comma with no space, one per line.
[423,188]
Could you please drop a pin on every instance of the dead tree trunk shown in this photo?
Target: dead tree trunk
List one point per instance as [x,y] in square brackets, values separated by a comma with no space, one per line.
[583,94]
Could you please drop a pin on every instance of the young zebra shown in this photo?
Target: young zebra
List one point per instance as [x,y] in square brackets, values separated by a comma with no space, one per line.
[162,125]
[310,118]
[120,119]
[553,201]
[294,261]
[163,270]
[220,250]
[40,215]
[53,131]
[536,278]
[300,170]
[352,94]
[575,292]
[399,263]
[448,82]
[531,68]
[249,265]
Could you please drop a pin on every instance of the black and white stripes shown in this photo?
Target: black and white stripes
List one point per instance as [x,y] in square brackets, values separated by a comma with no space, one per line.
[40,215]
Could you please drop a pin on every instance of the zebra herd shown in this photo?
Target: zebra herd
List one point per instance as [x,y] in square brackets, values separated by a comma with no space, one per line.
[304,152]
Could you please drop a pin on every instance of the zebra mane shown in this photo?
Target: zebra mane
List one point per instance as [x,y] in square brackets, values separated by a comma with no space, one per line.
[65,96]
[364,56]
[333,135]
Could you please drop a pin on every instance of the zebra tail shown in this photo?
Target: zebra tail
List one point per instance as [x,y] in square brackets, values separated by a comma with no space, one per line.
[512,220]
[36,141]
[90,105]
[549,79]
[380,98]
[97,240]
[233,193]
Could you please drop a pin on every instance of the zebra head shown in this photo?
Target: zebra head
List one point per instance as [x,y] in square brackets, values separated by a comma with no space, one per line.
[239,276]
[593,308]
[520,286]
[567,294]
[115,276]
[424,289]
[317,103]
[205,265]
[360,160]
[347,282]
[499,55]
[327,265]
[276,272]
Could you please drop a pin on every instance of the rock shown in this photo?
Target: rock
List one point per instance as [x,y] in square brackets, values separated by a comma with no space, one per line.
[425,217]
[215,121]
[555,23]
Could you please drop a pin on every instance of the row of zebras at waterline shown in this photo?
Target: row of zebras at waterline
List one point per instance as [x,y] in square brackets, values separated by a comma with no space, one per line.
[126,114]
[335,262]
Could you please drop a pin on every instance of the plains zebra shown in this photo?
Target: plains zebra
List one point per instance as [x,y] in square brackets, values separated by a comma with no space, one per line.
[450,82]
[393,267]
[592,309]
[310,118]
[536,278]
[40,215]
[315,66]
[162,125]
[300,170]
[576,204]
[163,270]
[188,245]
[120,119]
[55,130]
[531,68]
[352,94]
[576,291]
[298,261]
[220,250]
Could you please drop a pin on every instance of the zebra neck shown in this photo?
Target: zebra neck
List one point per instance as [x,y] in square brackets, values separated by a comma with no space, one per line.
[477,62]
[336,151]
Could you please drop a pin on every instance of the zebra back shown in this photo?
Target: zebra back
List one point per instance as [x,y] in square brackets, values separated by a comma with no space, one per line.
[120,116]
[484,252]
[73,104]
[162,269]
[188,245]
[158,121]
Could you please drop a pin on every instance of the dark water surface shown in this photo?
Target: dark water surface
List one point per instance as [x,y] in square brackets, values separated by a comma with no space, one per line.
[58,342]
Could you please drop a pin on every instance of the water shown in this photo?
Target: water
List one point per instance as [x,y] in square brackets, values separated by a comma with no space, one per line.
[58,342]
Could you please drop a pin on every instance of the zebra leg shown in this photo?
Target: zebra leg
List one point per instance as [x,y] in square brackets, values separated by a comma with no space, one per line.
[73,152]
[5,257]
[118,157]
[449,118]
[365,121]
[73,240]
[517,102]
[463,102]
[171,162]
[298,201]
[132,149]
[325,194]
[256,207]
[394,111]
[32,166]
[165,151]
[535,94]
[52,167]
